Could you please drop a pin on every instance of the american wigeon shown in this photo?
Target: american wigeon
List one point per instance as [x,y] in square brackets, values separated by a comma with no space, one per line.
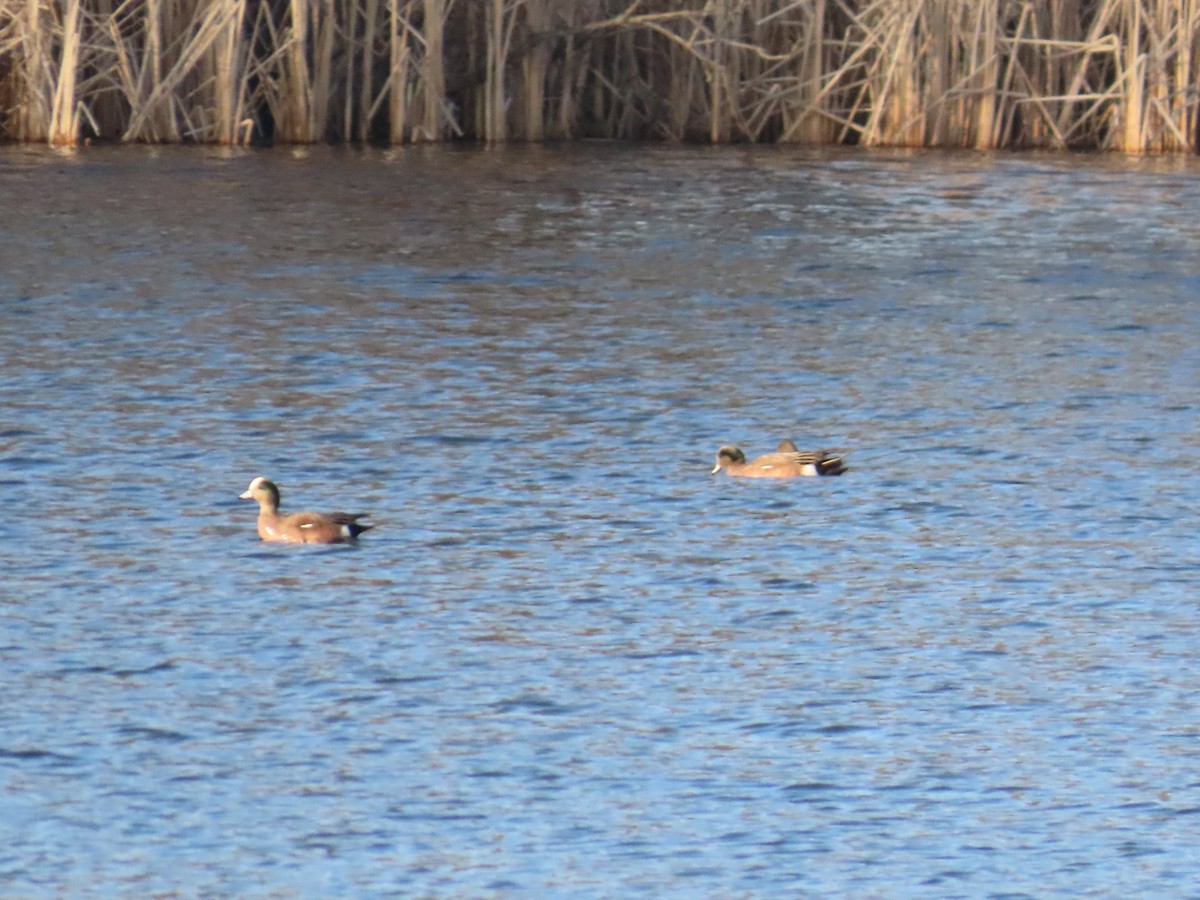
[301,527]
[786,462]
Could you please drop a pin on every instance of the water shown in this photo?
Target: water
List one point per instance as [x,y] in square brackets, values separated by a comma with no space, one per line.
[569,662]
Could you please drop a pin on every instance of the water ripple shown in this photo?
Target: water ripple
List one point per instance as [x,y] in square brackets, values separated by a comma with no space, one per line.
[962,668]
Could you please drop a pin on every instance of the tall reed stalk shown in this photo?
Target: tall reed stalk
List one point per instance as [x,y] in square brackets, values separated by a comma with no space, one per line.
[1107,74]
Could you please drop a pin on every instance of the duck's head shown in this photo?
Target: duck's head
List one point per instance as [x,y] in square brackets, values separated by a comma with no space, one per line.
[265,492]
[726,456]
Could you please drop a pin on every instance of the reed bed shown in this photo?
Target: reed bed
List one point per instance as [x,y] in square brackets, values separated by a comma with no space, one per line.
[1105,74]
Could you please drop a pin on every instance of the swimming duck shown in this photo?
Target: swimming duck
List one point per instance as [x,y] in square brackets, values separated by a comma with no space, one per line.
[300,527]
[786,462]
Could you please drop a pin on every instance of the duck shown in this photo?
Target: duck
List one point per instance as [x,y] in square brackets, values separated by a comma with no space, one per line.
[785,462]
[300,527]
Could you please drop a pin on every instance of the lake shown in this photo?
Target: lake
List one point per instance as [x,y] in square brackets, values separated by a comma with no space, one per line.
[569,661]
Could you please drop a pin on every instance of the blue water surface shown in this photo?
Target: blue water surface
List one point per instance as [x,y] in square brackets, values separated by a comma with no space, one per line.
[568,661]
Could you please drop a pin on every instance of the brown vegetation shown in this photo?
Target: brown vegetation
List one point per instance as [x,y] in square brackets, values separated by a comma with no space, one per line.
[1114,74]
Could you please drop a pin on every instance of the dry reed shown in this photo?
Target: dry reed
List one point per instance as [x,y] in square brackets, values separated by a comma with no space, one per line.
[1110,74]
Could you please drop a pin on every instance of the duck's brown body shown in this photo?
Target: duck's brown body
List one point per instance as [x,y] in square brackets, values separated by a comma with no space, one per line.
[786,462]
[300,527]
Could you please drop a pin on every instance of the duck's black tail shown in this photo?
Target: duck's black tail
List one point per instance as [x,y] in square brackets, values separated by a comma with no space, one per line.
[350,524]
[830,465]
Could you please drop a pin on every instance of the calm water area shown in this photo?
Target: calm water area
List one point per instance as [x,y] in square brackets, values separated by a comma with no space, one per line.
[569,661]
